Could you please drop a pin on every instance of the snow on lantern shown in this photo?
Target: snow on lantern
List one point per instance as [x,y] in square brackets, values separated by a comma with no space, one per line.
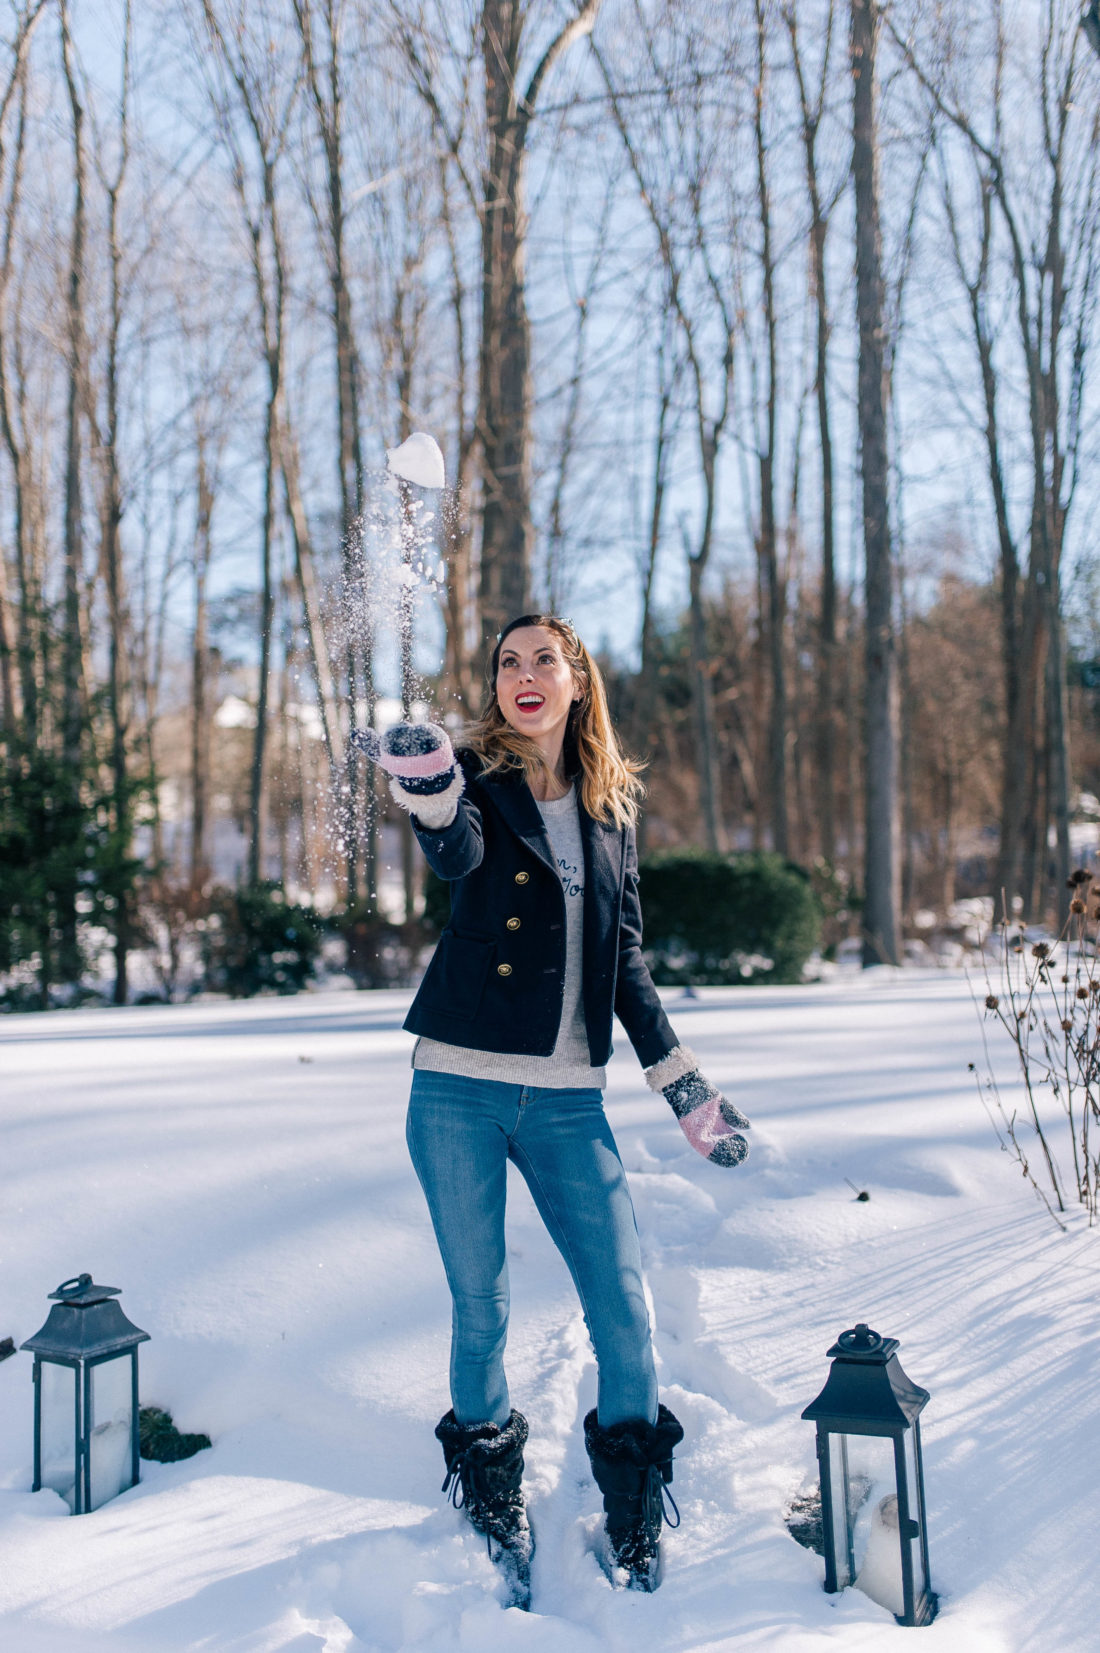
[86,1396]
[872,1477]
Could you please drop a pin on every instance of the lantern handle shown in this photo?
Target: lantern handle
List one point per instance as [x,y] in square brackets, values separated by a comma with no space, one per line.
[82,1291]
[72,1288]
[861,1339]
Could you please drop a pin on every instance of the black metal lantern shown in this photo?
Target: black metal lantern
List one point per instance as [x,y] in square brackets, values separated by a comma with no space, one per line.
[872,1476]
[86,1396]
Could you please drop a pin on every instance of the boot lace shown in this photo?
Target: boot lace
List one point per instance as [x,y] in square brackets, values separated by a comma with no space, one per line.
[657,1500]
[463,1491]
[453,1484]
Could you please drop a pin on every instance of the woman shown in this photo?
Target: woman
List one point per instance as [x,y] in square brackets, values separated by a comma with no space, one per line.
[532,825]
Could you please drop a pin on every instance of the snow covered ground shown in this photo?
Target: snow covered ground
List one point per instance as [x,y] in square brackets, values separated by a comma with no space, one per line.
[240,1171]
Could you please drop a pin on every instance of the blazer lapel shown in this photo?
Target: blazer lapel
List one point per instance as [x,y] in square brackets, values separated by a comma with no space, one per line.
[603,854]
[603,870]
[603,845]
[520,814]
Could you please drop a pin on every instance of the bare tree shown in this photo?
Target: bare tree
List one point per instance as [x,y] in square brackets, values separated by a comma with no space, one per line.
[209,374]
[325,81]
[463,638]
[25,648]
[812,110]
[107,436]
[703,298]
[669,366]
[772,577]
[72,648]
[497,196]
[882,858]
[266,103]
[1043,175]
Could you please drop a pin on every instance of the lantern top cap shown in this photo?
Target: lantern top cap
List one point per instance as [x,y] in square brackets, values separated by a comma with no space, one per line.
[866,1392]
[863,1344]
[85,1322]
[81,1292]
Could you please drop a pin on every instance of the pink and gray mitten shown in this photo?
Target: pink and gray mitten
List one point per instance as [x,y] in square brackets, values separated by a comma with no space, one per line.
[424,777]
[711,1124]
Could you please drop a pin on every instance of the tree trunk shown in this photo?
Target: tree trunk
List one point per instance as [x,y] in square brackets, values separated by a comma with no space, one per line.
[772,583]
[504,393]
[19,619]
[257,800]
[882,910]
[7,675]
[71,667]
[1052,531]
[304,566]
[646,698]
[200,732]
[1059,755]
[459,669]
[702,691]
[111,514]
[502,424]
[950,837]
[72,647]
[825,710]
[326,89]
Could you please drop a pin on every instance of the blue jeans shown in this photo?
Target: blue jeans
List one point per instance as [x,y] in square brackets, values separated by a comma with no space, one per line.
[461,1134]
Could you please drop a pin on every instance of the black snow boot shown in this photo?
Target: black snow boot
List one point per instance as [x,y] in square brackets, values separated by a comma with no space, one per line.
[632,1465]
[484,1471]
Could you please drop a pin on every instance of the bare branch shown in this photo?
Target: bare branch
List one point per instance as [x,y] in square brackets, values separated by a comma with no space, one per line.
[576,29]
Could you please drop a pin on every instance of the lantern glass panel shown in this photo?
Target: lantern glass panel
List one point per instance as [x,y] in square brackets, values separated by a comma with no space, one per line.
[58,1439]
[843,1511]
[876,1539]
[915,1512]
[110,1428]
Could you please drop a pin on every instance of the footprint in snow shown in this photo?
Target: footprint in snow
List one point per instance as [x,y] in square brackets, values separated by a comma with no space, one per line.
[693,1360]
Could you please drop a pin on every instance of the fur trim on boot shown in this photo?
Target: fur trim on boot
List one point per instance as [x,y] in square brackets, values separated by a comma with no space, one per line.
[632,1465]
[484,1473]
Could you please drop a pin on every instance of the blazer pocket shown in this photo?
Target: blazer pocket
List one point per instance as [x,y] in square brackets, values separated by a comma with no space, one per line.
[455,979]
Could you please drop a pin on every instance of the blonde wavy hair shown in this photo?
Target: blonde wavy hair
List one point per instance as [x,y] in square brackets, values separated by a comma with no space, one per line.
[609,785]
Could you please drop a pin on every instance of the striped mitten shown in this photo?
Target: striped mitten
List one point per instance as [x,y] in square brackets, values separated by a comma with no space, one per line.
[418,758]
[711,1124]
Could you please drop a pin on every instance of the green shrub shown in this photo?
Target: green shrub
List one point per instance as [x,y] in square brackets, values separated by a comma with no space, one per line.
[161,1442]
[63,869]
[722,920]
[255,940]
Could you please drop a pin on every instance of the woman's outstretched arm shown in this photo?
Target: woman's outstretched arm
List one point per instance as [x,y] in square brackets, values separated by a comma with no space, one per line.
[427,780]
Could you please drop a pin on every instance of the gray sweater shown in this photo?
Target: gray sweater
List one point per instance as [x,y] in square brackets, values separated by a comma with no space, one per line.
[569,1066]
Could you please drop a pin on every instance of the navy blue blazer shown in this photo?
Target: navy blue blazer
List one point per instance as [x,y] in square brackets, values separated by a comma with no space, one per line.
[497,978]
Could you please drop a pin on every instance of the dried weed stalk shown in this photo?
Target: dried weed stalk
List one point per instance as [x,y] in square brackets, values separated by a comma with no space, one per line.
[1047,1001]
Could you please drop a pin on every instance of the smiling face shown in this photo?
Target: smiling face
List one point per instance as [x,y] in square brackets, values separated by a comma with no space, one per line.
[535,687]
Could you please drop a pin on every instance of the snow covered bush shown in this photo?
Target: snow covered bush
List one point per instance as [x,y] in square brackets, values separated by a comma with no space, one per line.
[1046,1000]
[721,920]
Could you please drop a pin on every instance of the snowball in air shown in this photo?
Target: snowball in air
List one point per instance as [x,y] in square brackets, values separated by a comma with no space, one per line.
[418,460]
